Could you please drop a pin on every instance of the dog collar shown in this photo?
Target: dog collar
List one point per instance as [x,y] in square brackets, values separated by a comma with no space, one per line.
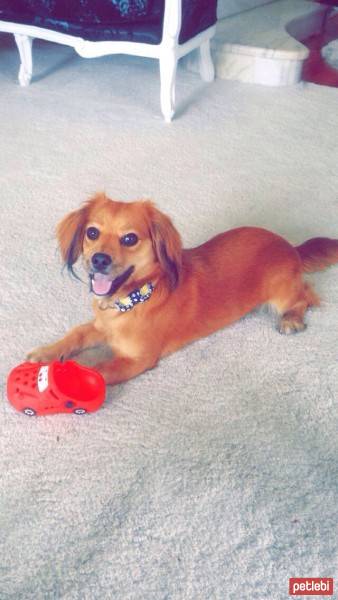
[137,296]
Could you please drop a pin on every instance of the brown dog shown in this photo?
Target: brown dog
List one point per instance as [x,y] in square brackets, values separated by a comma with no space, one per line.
[151,297]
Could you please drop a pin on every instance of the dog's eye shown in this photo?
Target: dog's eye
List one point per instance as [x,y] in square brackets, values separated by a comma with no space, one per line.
[92,233]
[130,239]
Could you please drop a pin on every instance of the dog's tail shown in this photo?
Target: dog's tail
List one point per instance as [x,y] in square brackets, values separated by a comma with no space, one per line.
[318,253]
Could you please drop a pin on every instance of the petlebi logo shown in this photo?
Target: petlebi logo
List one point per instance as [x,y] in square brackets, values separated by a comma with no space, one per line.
[311,586]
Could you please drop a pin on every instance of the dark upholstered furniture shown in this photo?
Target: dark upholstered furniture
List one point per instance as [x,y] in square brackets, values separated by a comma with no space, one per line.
[162,29]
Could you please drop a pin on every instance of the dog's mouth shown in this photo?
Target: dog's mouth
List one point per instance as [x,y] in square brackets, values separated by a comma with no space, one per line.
[104,285]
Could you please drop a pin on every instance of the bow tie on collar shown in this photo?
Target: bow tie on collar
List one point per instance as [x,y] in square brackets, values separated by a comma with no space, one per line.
[137,296]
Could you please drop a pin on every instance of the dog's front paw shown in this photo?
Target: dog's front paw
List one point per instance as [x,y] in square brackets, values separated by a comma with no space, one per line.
[44,354]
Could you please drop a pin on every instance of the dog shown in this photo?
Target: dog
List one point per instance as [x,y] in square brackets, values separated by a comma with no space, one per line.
[151,297]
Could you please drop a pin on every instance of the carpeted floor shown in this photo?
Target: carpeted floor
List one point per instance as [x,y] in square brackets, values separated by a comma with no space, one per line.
[213,476]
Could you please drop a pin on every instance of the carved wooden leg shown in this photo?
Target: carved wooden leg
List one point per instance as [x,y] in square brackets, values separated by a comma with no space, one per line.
[24,44]
[207,70]
[168,66]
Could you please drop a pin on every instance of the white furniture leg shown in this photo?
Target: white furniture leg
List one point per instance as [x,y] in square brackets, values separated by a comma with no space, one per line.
[168,52]
[168,67]
[207,70]
[24,44]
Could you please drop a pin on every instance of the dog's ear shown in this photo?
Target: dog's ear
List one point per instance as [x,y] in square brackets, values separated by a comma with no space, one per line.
[70,232]
[166,242]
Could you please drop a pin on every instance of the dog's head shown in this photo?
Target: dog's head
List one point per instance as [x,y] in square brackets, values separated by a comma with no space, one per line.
[120,242]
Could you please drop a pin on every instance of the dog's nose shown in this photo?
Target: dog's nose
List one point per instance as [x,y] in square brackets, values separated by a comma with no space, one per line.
[101,261]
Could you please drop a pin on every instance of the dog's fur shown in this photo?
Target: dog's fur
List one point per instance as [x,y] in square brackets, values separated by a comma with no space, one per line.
[197,291]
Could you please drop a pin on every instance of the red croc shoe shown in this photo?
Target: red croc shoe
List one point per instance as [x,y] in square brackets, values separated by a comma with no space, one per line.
[47,388]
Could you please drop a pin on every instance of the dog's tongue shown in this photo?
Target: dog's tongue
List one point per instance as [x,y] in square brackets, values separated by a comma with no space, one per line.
[101,284]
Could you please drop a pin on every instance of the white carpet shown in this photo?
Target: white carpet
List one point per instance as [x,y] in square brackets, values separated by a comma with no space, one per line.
[213,476]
